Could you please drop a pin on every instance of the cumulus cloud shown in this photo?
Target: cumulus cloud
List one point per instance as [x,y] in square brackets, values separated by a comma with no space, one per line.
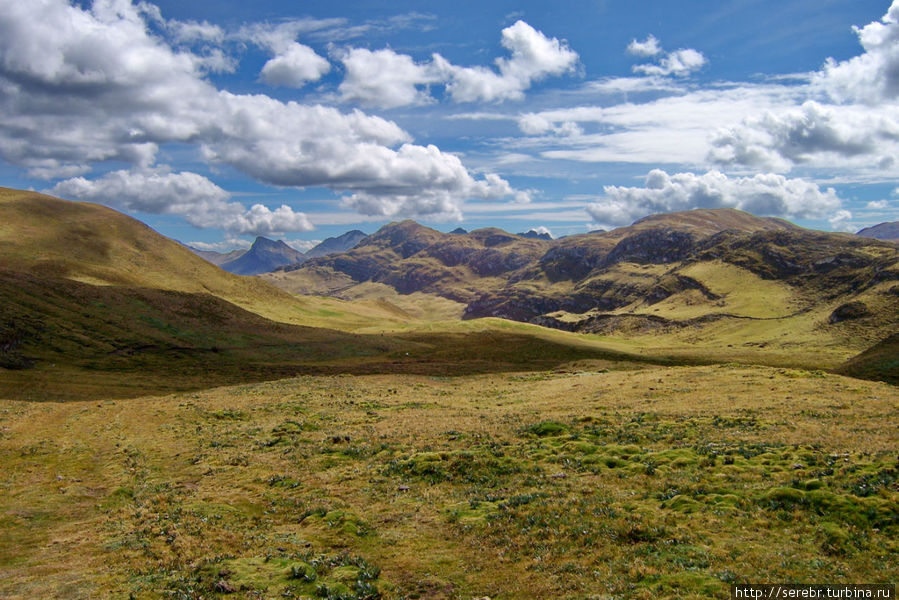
[877,204]
[854,119]
[648,47]
[194,197]
[82,86]
[384,78]
[873,76]
[294,67]
[228,244]
[841,221]
[387,79]
[447,181]
[671,128]
[542,229]
[679,63]
[534,57]
[294,64]
[778,140]
[763,194]
[537,124]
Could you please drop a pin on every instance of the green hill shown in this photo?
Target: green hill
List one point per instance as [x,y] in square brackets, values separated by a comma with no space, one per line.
[702,282]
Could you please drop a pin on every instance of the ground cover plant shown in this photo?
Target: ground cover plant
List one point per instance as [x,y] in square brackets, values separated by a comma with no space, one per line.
[577,482]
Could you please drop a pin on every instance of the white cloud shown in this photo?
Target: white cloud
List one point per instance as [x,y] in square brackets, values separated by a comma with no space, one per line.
[387,79]
[873,76]
[811,132]
[542,229]
[189,195]
[433,184]
[858,130]
[79,87]
[228,244]
[384,78]
[648,47]
[877,204]
[193,31]
[679,63]
[534,57]
[296,66]
[840,221]
[763,194]
[303,245]
[673,128]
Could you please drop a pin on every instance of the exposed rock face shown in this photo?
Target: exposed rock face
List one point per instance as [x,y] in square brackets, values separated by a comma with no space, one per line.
[661,246]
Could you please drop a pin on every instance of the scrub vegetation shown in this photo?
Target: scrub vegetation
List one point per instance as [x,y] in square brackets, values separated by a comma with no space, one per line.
[570,483]
[169,430]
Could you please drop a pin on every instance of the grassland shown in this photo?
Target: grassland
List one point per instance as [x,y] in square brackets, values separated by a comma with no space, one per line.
[580,482]
[168,430]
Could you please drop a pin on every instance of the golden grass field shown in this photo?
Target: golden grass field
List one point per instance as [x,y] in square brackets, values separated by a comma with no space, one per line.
[169,430]
[578,482]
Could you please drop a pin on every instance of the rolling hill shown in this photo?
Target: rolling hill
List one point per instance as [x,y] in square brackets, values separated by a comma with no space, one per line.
[703,278]
[96,303]
[217,258]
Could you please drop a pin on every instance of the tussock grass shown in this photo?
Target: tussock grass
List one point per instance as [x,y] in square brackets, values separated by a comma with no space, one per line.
[649,482]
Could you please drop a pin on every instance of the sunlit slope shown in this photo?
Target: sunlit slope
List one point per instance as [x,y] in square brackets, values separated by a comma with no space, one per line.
[700,282]
[93,244]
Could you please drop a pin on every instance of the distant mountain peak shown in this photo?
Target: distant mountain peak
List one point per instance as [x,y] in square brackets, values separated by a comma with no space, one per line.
[536,235]
[708,221]
[888,231]
[333,245]
[264,256]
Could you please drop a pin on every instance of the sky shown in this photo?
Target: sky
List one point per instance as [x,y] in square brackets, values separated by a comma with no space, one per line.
[218,121]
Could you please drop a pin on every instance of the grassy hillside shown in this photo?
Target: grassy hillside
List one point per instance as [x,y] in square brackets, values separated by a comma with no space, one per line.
[698,284]
[881,361]
[575,483]
[53,238]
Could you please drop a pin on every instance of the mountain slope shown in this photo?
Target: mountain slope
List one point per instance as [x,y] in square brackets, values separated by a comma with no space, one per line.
[97,305]
[333,245]
[883,231]
[412,258]
[715,278]
[264,256]
[217,258]
[86,242]
[880,362]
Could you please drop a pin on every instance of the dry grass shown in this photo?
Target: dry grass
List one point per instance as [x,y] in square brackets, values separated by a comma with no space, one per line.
[655,482]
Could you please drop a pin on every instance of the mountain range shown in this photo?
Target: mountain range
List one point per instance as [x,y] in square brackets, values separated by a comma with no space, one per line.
[662,268]
[265,255]
[89,290]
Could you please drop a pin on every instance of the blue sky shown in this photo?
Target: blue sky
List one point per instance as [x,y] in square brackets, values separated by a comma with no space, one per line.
[214,122]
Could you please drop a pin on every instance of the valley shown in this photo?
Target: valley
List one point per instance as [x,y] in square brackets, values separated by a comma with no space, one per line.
[659,411]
